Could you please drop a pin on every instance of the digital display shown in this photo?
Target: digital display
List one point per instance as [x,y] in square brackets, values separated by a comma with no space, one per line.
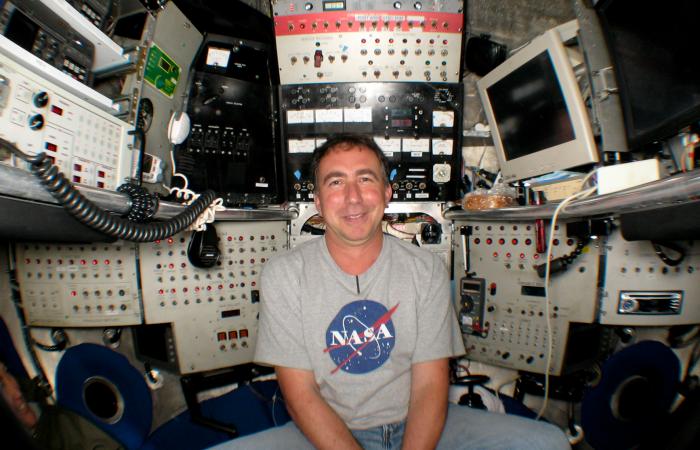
[230,313]
[21,30]
[401,118]
[334,5]
[533,291]
[401,123]
[472,287]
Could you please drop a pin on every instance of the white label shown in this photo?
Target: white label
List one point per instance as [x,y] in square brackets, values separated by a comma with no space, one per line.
[443,119]
[301,145]
[300,116]
[391,145]
[422,195]
[18,117]
[329,115]
[442,147]
[416,145]
[261,185]
[357,115]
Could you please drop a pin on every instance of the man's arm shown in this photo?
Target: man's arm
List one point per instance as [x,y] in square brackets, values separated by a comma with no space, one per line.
[311,413]
[427,409]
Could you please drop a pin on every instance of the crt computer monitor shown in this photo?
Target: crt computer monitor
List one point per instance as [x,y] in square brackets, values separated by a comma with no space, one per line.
[538,120]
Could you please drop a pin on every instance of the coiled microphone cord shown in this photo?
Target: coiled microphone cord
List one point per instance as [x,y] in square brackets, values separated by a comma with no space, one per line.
[97,218]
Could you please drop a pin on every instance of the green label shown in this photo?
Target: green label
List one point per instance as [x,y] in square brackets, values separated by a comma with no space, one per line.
[161,71]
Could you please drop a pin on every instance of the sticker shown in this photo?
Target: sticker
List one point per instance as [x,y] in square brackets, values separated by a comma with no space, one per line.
[329,115]
[161,71]
[300,116]
[357,115]
[301,145]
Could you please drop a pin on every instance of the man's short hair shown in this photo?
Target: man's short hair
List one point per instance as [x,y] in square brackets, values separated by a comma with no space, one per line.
[348,141]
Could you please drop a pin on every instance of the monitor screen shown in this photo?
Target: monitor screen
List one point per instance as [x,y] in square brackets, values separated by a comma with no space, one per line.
[538,120]
[654,52]
[530,109]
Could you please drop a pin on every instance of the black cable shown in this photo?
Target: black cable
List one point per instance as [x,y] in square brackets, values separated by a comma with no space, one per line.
[59,338]
[107,15]
[144,205]
[560,264]
[664,257]
[142,151]
[99,219]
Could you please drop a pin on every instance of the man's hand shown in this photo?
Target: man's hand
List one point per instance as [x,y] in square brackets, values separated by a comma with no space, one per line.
[314,417]
[427,409]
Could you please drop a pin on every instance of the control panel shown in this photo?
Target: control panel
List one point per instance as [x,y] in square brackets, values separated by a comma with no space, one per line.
[99,12]
[501,300]
[34,27]
[381,40]
[419,223]
[417,125]
[214,312]
[73,285]
[642,289]
[90,146]
[231,146]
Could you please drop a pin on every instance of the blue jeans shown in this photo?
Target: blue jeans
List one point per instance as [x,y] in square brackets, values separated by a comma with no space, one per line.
[465,429]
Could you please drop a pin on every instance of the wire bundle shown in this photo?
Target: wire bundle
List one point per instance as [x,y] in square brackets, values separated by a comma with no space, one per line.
[99,219]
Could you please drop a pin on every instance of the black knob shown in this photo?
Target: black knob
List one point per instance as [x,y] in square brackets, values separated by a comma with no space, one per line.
[41,99]
[36,122]
[467,305]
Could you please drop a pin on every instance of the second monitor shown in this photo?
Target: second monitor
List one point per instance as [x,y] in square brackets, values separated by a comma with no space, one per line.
[537,116]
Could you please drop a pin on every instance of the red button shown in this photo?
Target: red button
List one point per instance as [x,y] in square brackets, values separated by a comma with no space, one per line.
[244,333]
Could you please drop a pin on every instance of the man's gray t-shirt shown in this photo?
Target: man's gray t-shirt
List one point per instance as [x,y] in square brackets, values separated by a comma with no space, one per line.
[359,335]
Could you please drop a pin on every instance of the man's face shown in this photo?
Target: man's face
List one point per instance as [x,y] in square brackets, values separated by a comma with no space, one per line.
[10,390]
[351,195]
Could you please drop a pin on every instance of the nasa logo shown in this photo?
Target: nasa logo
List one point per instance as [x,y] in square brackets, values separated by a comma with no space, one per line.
[361,336]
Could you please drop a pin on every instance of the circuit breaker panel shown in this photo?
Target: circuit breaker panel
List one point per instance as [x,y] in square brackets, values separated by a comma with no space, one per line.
[79,285]
[500,299]
[322,41]
[214,312]
[231,147]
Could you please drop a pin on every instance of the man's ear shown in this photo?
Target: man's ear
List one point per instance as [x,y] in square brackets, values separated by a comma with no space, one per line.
[317,202]
[387,194]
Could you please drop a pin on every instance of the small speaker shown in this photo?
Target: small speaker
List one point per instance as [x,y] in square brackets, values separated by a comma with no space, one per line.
[483,55]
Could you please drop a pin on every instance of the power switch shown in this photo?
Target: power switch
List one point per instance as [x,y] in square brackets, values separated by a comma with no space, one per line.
[318,58]
[492,288]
